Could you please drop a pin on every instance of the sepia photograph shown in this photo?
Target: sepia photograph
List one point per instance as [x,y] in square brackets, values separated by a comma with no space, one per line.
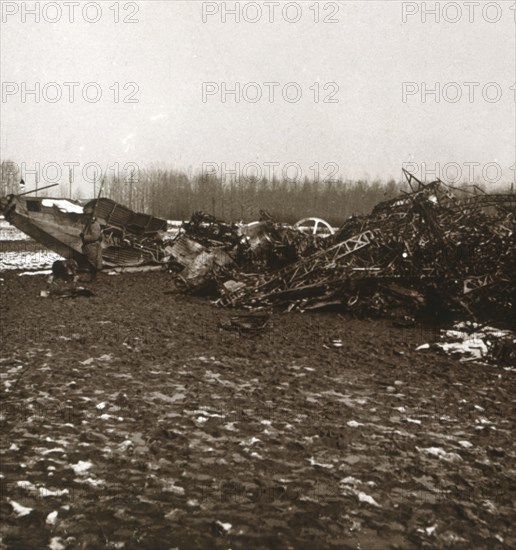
[257,275]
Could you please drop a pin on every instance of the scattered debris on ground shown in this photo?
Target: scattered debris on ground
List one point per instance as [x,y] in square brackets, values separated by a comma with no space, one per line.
[247,324]
[435,254]
[71,292]
[473,342]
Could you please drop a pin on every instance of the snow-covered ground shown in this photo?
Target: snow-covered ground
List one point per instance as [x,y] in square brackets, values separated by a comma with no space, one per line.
[42,259]
[22,259]
[10,233]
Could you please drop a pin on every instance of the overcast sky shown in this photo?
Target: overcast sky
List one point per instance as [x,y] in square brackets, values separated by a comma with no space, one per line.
[360,62]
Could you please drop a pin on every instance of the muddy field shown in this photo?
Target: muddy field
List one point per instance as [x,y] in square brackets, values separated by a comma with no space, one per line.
[132,419]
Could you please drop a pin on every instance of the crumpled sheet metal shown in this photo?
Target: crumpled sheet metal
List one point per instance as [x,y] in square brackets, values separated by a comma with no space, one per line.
[210,252]
[450,255]
[199,264]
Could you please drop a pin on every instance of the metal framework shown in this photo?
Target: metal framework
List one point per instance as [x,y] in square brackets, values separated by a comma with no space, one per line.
[299,276]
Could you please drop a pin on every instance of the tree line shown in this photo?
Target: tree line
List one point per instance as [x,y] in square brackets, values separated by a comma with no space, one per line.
[176,194]
[173,194]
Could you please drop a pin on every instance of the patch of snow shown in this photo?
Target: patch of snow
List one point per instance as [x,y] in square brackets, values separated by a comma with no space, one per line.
[125,445]
[81,467]
[93,482]
[313,462]
[56,543]
[250,441]
[354,424]
[44,492]
[39,272]
[440,453]
[167,398]
[20,510]
[54,450]
[423,346]
[225,526]
[350,480]
[170,487]
[63,205]
[51,518]
[42,259]
[27,485]
[205,413]
[430,530]
[363,497]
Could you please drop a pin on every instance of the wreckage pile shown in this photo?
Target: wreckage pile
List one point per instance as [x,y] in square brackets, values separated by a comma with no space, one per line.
[209,252]
[428,253]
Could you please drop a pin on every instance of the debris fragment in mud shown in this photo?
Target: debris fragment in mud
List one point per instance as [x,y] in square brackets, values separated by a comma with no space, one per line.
[246,323]
[74,292]
[221,528]
[334,343]
[474,342]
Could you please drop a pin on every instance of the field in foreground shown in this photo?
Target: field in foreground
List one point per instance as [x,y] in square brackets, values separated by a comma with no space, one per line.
[131,419]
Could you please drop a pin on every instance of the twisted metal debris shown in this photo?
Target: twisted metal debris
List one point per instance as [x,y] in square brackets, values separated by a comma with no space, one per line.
[209,252]
[428,252]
